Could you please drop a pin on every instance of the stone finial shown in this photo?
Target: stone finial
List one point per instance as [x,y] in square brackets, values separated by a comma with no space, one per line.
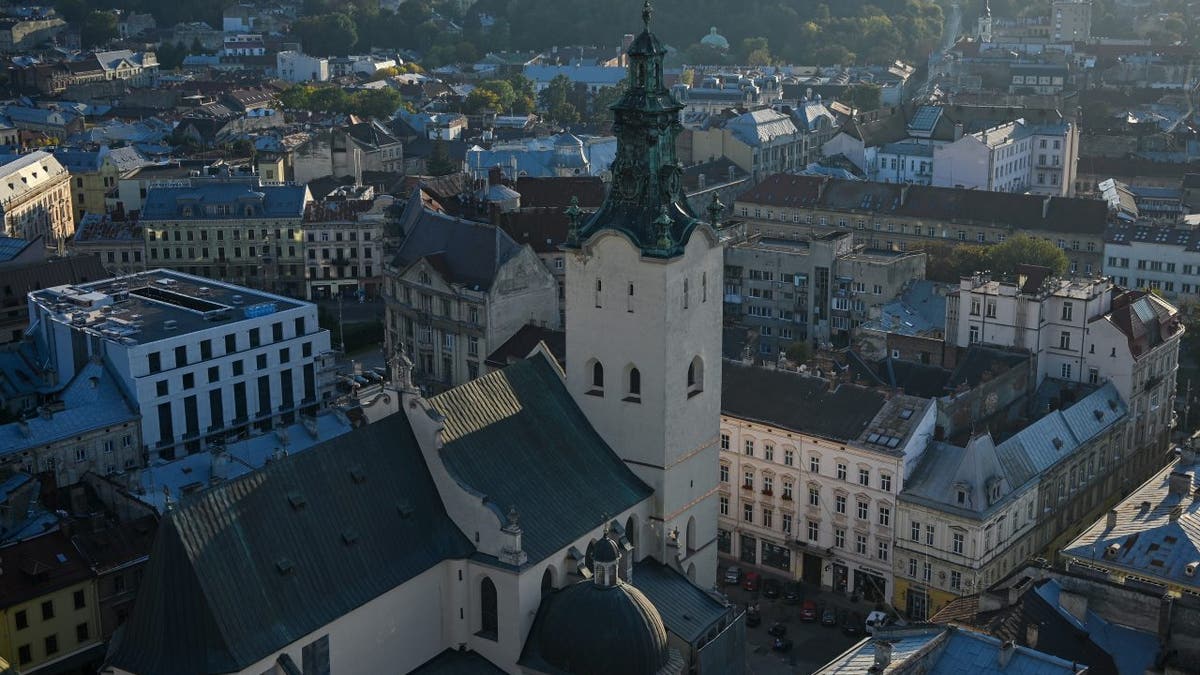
[715,209]
[513,516]
[574,215]
[647,12]
[664,223]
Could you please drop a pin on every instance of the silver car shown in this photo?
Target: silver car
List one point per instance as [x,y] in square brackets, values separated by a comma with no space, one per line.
[733,574]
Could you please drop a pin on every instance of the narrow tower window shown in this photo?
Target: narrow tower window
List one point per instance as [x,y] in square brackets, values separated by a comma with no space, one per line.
[597,379]
[685,293]
[695,377]
[599,287]
[629,300]
[634,393]
[704,287]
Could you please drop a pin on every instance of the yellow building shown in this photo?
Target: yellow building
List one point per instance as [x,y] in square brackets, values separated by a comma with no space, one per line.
[94,173]
[49,611]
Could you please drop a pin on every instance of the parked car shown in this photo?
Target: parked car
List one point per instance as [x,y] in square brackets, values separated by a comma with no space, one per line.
[752,581]
[777,629]
[771,588]
[733,574]
[782,644]
[793,592]
[852,624]
[808,611]
[829,617]
[753,618]
[875,621]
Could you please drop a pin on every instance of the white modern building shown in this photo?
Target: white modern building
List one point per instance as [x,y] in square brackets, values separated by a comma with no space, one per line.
[810,476]
[200,359]
[293,66]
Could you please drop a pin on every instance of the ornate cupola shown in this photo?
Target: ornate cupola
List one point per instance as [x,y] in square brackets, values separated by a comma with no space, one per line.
[647,201]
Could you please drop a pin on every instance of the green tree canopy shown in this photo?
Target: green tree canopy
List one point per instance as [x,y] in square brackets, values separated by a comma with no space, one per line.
[864,97]
[1022,249]
[97,29]
[378,103]
[555,99]
[326,34]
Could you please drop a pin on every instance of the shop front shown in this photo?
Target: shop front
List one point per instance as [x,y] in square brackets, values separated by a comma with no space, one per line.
[870,585]
[748,549]
[779,557]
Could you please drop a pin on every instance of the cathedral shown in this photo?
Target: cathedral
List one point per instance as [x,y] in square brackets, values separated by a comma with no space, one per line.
[535,520]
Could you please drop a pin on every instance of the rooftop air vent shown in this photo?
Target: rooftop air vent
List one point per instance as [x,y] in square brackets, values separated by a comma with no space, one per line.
[237,300]
[170,324]
[405,509]
[349,537]
[297,500]
[1112,551]
[1190,568]
[285,567]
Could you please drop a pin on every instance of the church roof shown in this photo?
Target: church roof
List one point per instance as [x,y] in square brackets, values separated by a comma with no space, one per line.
[517,436]
[687,610]
[247,567]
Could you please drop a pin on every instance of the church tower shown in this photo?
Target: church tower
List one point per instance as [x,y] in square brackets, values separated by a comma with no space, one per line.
[643,318]
[985,23]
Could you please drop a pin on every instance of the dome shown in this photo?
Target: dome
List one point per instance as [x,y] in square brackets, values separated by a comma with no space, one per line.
[714,40]
[568,140]
[589,629]
[605,551]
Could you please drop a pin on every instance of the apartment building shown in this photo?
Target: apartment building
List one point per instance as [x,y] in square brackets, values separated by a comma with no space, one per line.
[761,141]
[457,290]
[343,243]
[94,173]
[202,360]
[816,289]
[970,515]
[119,244]
[235,229]
[1072,20]
[1084,331]
[1011,157]
[809,476]
[902,217]
[35,199]
[1155,257]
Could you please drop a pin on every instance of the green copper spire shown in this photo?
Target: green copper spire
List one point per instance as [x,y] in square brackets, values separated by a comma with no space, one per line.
[647,180]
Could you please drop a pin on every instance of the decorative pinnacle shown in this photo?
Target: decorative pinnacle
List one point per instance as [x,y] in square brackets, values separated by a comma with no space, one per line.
[573,213]
[647,12]
[664,228]
[715,208]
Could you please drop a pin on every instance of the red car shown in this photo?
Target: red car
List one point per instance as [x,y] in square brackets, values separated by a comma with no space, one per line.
[808,611]
[751,582]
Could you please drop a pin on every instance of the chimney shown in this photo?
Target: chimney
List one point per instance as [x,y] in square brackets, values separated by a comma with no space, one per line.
[701,180]
[1031,635]
[904,193]
[494,176]
[1179,483]
[1006,653]
[824,180]
[1112,519]
[958,130]
[1046,207]
[1176,512]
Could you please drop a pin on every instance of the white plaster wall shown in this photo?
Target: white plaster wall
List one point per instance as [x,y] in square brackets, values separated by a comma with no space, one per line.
[668,439]
[965,162]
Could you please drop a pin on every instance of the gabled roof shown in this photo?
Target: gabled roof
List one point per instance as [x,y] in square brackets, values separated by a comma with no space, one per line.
[1146,320]
[523,342]
[245,568]
[759,127]
[93,400]
[517,436]
[464,252]
[686,609]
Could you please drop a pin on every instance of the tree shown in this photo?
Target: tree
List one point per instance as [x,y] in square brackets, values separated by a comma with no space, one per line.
[798,352]
[481,99]
[439,163]
[72,11]
[601,100]
[326,34]
[1003,259]
[97,29]
[555,99]
[864,97]
[378,103]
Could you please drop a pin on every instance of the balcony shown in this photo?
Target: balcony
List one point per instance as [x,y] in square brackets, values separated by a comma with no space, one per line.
[749,487]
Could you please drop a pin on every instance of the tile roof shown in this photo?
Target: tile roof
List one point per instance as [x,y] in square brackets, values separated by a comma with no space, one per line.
[464,252]
[797,402]
[455,662]
[37,566]
[523,342]
[760,127]
[686,609]
[1019,211]
[944,650]
[245,568]
[93,400]
[1146,320]
[517,436]
[266,201]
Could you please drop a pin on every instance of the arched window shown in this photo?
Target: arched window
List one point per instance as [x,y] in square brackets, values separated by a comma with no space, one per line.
[599,288]
[489,617]
[685,293]
[634,392]
[597,375]
[547,581]
[695,377]
[704,287]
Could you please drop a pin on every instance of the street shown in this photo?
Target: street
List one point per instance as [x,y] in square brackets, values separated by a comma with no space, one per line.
[813,646]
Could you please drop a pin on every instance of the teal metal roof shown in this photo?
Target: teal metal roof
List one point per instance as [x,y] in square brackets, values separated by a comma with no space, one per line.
[517,437]
[687,610]
[245,568]
[451,662]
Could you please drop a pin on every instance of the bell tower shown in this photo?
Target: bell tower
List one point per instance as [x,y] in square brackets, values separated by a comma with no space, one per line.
[643,317]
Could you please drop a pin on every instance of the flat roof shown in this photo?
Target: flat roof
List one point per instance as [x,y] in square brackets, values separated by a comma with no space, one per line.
[157,304]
